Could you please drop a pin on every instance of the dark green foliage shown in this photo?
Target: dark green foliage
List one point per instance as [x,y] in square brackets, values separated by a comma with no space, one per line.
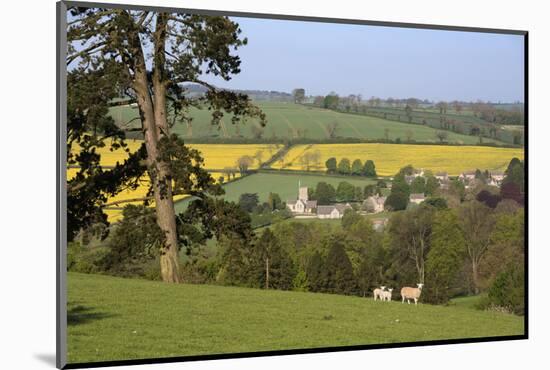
[436,202]
[234,254]
[248,202]
[350,218]
[345,192]
[135,240]
[344,167]
[315,273]
[418,185]
[399,195]
[432,184]
[268,258]
[515,173]
[339,272]
[331,165]
[274,201]
[356,167]
[369,190]
[325,193]
[369,168]
[445,257]
[331,101]
[508,291]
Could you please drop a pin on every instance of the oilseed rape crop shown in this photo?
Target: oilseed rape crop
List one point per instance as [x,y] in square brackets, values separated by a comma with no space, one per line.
[389,158]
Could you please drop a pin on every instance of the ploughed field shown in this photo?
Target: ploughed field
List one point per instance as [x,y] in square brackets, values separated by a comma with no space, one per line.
[113,318]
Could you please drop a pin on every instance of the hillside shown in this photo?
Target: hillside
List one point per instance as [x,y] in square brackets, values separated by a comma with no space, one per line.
[292,121]
[113,319]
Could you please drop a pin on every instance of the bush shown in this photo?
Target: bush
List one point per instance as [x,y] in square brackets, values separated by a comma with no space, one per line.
[507,294]
[86,260]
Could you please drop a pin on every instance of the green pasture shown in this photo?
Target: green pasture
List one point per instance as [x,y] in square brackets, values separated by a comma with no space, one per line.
[284,184]
[288,120]
[113,318]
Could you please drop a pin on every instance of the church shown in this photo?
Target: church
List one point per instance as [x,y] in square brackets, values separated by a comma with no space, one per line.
[302,205]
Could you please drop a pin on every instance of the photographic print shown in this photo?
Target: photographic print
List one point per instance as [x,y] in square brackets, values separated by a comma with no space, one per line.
[238,184]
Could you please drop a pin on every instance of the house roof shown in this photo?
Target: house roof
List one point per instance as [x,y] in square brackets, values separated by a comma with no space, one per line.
[325,210]
[417,196]
[441,174]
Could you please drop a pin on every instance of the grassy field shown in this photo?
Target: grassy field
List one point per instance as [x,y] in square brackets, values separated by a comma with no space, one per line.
[286,185]
[389,158]
[113,319]
[288,120]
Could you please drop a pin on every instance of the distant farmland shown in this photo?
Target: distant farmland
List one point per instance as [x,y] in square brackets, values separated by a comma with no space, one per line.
[293,121]
[389,158]
[286,185]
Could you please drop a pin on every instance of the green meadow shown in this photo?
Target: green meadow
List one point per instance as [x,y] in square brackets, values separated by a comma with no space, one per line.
[112,318]
[288,120]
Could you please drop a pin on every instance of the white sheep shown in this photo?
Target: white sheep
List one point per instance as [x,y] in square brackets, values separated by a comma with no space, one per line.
[386,295]
[378,292]
[411,293]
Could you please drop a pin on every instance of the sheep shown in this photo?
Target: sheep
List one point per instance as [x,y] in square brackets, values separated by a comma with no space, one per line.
[378,292]
[411,293]
[386,296]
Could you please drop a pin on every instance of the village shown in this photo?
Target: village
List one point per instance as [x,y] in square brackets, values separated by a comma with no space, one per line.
[305,208]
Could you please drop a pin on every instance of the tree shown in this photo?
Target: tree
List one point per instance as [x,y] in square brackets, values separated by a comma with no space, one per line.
[257,131]
[369,169]
[399,195]
[445,257]
[432,184]
[275,202]
[155,54]
[441,135]
[271,266]
[387,134]
[350,218]
[243,163]
[339,272]
[331,101]
[418,185]
[315,273]
[369,191]
[344,167]
[299,95]
[410,233]
[325,193]
[248,201]
[356,167]
[332,130]
[331,165]
[345,192]
[477,222]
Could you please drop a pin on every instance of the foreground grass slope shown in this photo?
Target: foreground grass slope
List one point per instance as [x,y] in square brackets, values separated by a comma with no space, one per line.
[113,319]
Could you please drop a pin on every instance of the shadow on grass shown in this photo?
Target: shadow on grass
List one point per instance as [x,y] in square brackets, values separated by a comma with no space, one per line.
[78,314]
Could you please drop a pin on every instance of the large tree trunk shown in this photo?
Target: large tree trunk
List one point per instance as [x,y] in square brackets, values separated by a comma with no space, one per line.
[153,117]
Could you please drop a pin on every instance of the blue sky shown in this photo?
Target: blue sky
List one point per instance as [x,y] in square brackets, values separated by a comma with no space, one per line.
[379,61]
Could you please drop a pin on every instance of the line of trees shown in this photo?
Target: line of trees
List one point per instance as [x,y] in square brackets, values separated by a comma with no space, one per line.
[355,168]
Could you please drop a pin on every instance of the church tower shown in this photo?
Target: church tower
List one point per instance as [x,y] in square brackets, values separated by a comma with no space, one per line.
[302,192]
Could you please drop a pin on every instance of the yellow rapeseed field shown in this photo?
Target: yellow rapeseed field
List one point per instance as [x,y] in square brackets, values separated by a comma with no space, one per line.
[389,158]
[217,156]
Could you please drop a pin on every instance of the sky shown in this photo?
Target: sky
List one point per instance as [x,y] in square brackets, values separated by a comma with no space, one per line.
[379,61]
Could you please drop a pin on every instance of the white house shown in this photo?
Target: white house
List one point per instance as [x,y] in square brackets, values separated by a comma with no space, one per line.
[332,211]
[376,203]
[442,176]
[417,198]
[496,178]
